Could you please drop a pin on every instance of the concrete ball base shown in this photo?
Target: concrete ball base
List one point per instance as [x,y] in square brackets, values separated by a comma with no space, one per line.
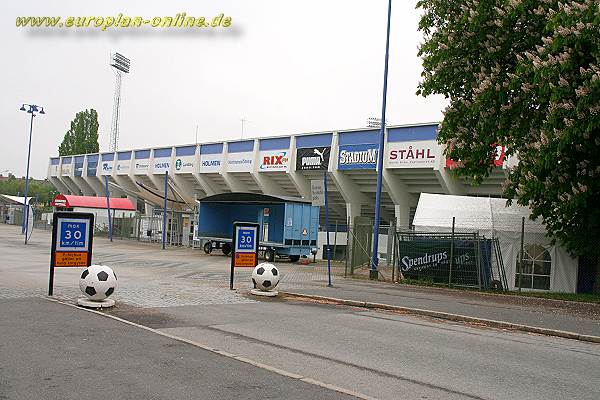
[106,303]
[258,292]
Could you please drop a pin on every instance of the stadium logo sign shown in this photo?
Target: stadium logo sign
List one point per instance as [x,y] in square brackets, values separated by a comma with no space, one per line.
[312,158]
[357,156]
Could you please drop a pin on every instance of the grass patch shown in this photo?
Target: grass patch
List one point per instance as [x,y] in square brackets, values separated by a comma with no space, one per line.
[580,297]
[576,297]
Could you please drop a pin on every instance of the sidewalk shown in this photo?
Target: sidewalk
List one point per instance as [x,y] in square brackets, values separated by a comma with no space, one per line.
[580,318]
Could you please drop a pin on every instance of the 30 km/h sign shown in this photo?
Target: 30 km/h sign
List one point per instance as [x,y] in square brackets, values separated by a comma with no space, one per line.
[245,246]
[72,235]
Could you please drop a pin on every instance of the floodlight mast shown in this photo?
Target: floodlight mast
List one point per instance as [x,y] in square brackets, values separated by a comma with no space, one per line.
[120,65]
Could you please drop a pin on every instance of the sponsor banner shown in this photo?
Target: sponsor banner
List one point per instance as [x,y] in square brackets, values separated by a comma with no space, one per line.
[141,167]
[419,154]
[357,156]
[240,162]
[106,167]
[123,167]
[185,164]
[274,160]
[429,258]
[65,169]
[313,159]
[498,159]
[161,165]
[210,163]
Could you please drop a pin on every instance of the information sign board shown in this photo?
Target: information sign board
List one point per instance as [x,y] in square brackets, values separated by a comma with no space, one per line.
[72,236]
[245,246]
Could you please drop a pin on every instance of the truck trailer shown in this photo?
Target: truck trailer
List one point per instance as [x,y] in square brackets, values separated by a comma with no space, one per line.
[288,226]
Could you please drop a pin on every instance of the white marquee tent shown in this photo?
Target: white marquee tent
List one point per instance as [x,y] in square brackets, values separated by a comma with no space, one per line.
[548,267]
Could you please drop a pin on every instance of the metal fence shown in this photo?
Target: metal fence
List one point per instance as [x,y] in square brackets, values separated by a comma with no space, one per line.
[515,255]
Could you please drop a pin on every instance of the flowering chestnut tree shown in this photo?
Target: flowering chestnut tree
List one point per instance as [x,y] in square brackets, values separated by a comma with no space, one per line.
[524,74]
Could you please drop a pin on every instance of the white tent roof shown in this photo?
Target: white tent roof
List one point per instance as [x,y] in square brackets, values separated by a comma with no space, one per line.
[435,211]
[5,198]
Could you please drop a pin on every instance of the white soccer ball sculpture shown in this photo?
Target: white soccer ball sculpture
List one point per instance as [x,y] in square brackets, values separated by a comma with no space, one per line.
[98,282]
[265,276]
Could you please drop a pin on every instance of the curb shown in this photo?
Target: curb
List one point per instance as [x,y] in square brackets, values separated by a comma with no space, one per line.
[449,317]
[223,353]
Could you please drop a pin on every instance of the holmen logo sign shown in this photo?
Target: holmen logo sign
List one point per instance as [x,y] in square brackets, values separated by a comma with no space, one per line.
[357,156]
[312,158]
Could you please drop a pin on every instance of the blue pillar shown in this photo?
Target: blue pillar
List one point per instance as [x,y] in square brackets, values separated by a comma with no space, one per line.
[373,273]
[327,229]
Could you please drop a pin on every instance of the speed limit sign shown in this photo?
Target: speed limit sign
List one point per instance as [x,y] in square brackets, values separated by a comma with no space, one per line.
[72,236]
[245,246]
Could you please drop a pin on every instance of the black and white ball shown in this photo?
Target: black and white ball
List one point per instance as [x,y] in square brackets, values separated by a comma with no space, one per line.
[265,276]
[98,282]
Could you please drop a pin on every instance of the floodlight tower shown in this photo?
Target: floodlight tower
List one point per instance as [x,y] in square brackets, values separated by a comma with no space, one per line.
[120,65]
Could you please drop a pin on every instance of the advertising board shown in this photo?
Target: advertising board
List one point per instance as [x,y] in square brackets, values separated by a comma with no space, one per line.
[54,168]
[274,160]
[357,156]
[123,167]
[499,158]
[141,167]
[210,163]
[313,159]
[417,154]
[106,167]
[66,169]
[185,164]
[161,165]
[240,162]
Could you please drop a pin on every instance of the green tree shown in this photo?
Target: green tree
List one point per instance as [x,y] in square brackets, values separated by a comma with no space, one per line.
[525,74]
[82,137]
[42,189]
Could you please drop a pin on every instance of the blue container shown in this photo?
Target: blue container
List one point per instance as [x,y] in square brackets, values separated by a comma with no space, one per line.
[288,226]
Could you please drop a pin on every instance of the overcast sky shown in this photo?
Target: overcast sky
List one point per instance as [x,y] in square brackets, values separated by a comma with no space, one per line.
[285,66]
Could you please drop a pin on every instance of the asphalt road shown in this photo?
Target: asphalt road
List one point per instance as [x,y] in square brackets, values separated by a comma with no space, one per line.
[52,351]
[182,293]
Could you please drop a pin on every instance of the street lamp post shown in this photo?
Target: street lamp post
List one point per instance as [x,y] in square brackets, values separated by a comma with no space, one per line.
[31,109]
[374,271]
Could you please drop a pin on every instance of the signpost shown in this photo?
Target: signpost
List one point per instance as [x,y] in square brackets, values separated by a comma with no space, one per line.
[72,236]
[317,191]
[245,247]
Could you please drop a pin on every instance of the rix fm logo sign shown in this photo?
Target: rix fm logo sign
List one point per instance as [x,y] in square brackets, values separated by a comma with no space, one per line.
[275,161]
